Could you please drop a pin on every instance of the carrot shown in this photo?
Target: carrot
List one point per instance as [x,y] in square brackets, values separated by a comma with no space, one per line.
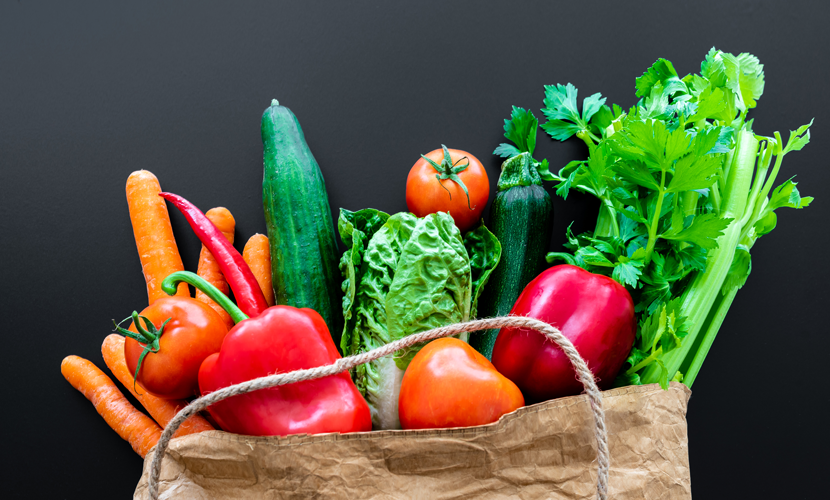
[133,426]
[209,268]
[153,233]
[257,254]
[162,410]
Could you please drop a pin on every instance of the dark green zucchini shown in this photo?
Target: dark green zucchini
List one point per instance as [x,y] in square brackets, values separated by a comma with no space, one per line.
[521,217]
[304,256]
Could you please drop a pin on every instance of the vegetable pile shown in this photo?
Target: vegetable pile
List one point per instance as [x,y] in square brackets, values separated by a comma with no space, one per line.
[685,186]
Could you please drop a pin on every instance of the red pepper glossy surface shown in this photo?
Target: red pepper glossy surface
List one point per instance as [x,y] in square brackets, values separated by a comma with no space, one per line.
[594,312]
[193,333]
[450,384]
[280,340]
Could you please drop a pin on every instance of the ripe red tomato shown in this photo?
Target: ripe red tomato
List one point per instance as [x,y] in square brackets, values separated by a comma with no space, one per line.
[450,384]
[194,332]
[435,188]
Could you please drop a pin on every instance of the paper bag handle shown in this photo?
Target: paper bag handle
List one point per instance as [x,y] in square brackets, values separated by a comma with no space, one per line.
[583,373]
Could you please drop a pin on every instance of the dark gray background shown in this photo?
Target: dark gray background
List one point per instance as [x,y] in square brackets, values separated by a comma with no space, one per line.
[90,92]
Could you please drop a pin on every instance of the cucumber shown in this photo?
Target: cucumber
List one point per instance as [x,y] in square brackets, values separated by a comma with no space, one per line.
[521,217]
[304,256]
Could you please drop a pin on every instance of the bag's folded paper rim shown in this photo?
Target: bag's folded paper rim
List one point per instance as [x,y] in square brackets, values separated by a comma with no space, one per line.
[495,427]
[647,434]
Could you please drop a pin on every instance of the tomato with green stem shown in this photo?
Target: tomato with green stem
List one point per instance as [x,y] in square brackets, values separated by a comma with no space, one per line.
[168,341]
[448,180]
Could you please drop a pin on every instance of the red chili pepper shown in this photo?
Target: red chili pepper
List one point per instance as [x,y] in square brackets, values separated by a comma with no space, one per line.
[245,287]
[594,312]
[279,340]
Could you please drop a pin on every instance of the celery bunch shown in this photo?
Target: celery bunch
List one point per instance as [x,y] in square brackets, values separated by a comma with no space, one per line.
[686,189]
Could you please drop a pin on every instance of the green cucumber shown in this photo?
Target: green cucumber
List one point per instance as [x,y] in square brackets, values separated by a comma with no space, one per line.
[521,217]
[304,256]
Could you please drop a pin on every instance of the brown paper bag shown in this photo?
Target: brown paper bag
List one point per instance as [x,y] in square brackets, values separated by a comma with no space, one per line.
[548,450]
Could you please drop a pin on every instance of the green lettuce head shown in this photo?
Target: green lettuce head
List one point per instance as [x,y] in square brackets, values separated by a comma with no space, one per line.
[404,275]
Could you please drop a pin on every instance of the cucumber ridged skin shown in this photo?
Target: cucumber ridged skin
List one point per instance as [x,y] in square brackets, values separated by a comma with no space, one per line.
[304,255]
[521,217]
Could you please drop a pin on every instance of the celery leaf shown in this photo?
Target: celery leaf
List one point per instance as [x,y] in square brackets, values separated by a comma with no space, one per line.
[787,195]
[703,232]
[520,129]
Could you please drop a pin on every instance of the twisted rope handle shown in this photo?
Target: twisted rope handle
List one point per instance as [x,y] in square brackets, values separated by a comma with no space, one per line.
[583,373]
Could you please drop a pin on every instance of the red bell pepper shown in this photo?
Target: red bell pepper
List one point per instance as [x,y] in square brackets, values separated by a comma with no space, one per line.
[279,340]
[245,287]
[594,312]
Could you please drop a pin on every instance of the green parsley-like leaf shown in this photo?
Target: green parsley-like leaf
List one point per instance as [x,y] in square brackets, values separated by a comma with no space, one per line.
[521,129]
[560,129]
[796,141]
[678,143]
[627,273]
[552,257]
[787,195]
[636,172]
[564,119]
[591,105]
[710,103]
[642,141]
[712,68]
[544,171]
[660,72]
[745,77]
[663,378]
[739,270]
[603,118]
[506,150]
[693,257]
[624,379]
[703,232]
[593,257]
[766,224]
[695,172]
[564,187]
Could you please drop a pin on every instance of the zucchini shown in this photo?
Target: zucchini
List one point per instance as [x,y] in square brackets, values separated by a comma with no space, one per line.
[304,256]
[521,217]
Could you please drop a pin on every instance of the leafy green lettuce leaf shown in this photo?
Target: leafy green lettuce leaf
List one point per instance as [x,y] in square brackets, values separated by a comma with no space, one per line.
[432,285]
[380,262]
[355,228]
[484,250]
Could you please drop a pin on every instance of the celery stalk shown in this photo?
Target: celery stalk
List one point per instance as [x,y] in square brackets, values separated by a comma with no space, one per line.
[704,289]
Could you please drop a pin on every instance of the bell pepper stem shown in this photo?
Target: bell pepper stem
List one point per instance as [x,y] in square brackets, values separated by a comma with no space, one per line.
[172,281]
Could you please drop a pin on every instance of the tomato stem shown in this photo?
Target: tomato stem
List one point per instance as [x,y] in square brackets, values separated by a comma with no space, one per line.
[147,336]
[449,170]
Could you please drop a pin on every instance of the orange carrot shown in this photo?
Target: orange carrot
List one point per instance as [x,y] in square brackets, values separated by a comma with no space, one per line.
[133,426]
[257,255]
[153,233]
[162,410]
[209,268]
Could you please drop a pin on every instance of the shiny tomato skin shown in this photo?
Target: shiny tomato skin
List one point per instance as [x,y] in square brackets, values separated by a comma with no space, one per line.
[424,194]
[450,384]
[593,311]
[194,332]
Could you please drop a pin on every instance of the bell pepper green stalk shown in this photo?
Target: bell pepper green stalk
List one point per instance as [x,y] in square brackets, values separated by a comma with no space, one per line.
[172,281]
